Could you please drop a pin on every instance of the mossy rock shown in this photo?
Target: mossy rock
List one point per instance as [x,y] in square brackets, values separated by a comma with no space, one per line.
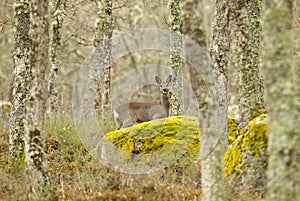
[157,140]
[251,140]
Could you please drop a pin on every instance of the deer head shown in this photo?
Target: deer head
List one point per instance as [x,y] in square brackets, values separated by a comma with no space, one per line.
[164,85]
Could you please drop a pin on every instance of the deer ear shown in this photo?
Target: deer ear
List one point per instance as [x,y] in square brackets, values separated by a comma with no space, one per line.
[158,80]
[169,79]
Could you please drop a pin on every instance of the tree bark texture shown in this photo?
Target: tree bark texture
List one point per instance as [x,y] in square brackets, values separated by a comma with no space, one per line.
[245,17]
[37,173]
[246,33]
[192,17]
[56,26]
[297,44]
[212,166]
[20,77]
[282,102]
[104,30]
[176,101]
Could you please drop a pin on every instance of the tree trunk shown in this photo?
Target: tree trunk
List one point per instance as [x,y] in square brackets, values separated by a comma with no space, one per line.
[212,166]
[56,25]
[37,173]
[246,32]
[191,28]
[297,44]
[20,77]
[282,104]
[176,101]
[104,30]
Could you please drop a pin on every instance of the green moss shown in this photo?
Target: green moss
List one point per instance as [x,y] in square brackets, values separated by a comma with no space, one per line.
[180,135]
[177,135]
[257,111]
[232,130]
[252,138]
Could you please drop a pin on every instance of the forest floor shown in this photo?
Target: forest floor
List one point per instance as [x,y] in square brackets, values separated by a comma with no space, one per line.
[76,175]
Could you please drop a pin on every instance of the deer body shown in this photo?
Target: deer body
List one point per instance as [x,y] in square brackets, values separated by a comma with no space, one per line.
[131,113]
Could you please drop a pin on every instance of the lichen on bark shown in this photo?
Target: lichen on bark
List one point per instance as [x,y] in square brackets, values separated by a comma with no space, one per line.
[36,166]
[56,26]
[176,101]
[246,33]
[103,37]
[21,77]
[245,18]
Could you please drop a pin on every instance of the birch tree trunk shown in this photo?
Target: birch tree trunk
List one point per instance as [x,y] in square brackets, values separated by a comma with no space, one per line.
[104,30]
[176,101]
[56,26]
[297,44]
[245,18]
[20,77]
[282,104]
[212,166]
[246,31]
[246,28]
[37,173]
[191,28]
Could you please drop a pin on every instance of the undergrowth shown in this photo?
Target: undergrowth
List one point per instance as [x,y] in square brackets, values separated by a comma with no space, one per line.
[76,175]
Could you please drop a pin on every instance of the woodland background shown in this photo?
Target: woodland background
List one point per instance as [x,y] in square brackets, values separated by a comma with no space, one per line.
[75,175]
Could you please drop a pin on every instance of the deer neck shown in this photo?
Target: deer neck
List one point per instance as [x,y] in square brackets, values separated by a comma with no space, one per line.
[164,99]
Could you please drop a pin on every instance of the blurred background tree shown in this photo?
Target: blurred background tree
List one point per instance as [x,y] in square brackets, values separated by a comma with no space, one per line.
[282,99]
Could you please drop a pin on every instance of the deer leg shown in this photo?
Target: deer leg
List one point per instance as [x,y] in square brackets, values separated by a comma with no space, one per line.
[127,123]
[157,112]
[119,123]
[159,115]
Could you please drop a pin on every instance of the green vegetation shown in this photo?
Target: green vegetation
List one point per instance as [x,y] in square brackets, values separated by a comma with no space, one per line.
[253,141]
[76,175]
[252,138]
[4,110]
[233,130]
[174,135]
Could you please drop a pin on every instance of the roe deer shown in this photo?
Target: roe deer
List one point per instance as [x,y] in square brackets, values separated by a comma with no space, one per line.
[137,112]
